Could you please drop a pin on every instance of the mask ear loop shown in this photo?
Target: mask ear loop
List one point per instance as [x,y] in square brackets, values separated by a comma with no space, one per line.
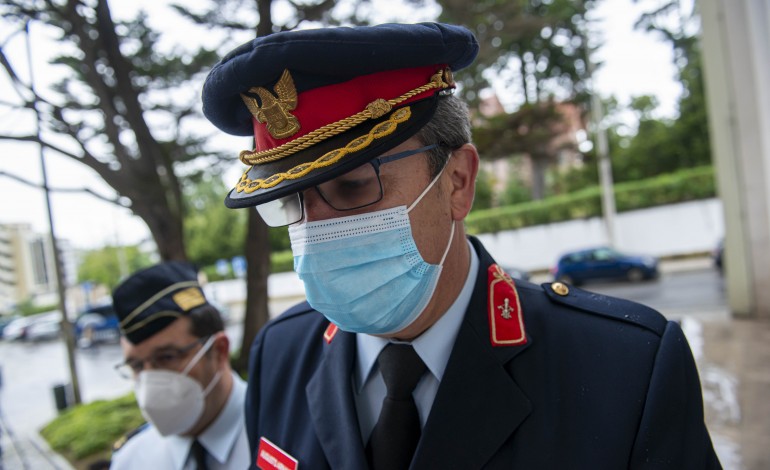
[425,191]
[199,354]
[419,198]
[451,237]
[197,357]
[213,383]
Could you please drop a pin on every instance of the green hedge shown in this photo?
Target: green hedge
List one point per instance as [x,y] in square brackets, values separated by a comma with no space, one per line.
[685,185]
[87,430]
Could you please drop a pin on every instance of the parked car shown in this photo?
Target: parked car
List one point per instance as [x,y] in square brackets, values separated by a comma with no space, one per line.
[6,320]
[517,273]
[34,327]
[16,330]
[603,263]
[44,327]
[97,324]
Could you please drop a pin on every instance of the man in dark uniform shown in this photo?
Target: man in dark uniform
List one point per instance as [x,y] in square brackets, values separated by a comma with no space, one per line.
[414,349]
[177,353]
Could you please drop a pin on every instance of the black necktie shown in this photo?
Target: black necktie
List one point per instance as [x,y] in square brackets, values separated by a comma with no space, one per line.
[198,453]
[395,436]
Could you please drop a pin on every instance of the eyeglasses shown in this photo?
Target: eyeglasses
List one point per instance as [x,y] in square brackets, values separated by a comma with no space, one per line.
[355,189]
[169,358]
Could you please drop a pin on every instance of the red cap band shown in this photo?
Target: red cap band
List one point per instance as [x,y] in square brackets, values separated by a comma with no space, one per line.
[325,105]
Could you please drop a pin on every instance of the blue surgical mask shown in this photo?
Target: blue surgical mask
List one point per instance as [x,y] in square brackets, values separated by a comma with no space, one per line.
[364,272]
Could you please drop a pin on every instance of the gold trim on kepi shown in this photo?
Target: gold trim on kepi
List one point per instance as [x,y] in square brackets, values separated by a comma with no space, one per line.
[151,299]
[322,102]
[329,158]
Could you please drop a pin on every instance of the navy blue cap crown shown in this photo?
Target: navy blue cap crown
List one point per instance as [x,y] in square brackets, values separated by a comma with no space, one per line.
[153,298]
[321,102]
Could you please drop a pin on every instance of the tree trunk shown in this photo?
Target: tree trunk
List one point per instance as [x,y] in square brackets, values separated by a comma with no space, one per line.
[164,222]
[257,271]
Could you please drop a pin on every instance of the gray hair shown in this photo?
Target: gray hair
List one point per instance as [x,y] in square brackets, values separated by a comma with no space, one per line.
[450,128]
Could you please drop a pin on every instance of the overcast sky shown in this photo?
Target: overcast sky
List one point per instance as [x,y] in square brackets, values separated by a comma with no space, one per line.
[635,63]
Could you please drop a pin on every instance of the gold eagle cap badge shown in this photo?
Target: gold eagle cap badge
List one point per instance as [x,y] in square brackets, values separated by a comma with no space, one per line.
[275,107]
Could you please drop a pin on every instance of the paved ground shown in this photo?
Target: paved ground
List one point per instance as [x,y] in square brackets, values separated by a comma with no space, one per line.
[733,358]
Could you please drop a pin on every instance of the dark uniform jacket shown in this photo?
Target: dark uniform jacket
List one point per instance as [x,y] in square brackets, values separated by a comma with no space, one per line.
[600,383]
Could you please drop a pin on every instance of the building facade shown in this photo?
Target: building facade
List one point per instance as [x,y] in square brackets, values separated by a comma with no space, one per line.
[27,269]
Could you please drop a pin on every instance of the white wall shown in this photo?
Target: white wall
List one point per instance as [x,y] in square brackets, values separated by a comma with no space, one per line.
[677,229]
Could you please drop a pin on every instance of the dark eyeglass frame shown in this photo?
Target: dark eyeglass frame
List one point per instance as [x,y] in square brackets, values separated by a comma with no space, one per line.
[295,201]
[132,367]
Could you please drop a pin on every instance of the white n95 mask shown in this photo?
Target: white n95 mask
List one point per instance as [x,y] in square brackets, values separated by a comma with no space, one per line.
[172,401]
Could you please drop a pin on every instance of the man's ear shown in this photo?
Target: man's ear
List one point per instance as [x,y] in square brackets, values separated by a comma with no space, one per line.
[222,347]
[463,168]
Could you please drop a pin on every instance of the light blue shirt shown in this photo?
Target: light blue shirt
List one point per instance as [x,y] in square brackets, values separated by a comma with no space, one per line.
[225,441]
[433,347]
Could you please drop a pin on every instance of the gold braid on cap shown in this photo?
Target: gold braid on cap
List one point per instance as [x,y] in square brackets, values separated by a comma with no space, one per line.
[382,129]
[374,110]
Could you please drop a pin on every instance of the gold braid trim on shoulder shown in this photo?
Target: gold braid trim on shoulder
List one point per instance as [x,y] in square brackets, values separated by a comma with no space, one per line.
[374,110]
[245,185]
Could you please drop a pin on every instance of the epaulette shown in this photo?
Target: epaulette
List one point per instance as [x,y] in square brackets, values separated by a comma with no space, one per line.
[122,441]
[612,307]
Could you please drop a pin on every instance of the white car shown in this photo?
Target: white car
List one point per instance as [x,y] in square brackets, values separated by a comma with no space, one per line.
[17,329]
[44,327]
[34,327]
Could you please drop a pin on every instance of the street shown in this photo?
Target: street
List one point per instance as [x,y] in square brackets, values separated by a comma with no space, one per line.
[729,354]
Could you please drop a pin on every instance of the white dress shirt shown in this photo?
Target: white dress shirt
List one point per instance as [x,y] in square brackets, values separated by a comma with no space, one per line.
[433,347]
[225,442]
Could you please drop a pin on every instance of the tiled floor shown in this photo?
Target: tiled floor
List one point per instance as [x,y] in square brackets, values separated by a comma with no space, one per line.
[734,363]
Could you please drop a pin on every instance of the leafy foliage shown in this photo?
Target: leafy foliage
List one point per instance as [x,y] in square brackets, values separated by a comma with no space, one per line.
[123,106]
[91,429]
[484,191]
[107,266]
[665,146]
[685,185]
[213,231]
[536,51]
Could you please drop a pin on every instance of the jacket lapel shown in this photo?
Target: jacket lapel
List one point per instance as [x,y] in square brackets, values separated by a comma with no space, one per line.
[330,397]
[478,405]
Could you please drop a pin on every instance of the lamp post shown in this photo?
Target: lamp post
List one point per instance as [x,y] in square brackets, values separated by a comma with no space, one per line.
[602,152]
[66,325]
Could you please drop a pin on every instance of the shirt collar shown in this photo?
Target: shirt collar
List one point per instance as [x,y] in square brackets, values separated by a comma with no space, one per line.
[434,345]
[221,435]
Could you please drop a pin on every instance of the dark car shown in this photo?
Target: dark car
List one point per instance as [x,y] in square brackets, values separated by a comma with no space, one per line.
[603,263]
[97,324]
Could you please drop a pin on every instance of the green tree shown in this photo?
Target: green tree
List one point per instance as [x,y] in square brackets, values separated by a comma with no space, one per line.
[127,108]
[484,195]
[108,265]
[688,143]
[537,48]
[532,130]
[213,231]
[115,80]
[515,192]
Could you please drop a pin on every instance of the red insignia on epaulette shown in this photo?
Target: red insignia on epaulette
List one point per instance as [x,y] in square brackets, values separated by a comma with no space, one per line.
[506,323]
[331,330]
